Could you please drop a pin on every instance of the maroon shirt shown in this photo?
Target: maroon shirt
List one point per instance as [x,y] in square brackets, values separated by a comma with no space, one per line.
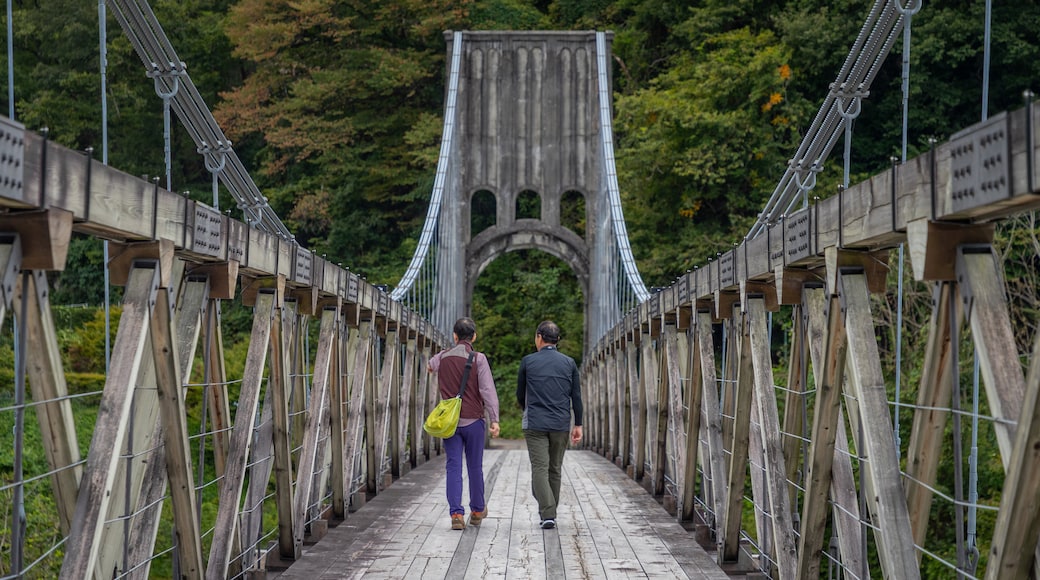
[480,388]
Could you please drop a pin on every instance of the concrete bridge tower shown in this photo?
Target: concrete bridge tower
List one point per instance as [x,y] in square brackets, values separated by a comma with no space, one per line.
[528,119]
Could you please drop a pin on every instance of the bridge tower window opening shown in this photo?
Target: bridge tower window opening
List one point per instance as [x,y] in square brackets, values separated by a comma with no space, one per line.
[528,205]
[572,212]
[482,211]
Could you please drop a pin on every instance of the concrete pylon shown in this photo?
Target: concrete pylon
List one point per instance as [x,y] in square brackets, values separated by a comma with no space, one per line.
[527,119]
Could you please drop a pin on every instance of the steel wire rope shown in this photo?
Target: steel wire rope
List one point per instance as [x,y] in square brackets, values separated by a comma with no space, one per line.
[443,161]
[613,193]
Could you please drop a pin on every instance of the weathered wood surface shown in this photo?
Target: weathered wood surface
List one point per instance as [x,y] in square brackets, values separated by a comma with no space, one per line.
[608,528]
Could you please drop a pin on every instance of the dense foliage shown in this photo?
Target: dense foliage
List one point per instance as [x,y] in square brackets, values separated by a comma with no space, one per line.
[336,108]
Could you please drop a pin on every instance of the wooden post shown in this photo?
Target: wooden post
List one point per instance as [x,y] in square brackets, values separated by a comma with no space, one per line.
[650,379]
[931,416]
[387,384]
[826,415]
[238,453]
[313,442]
[47,383]
[785,555]
[175,430]
[1017,531]
[355,418]
[638,413]
[81,549]
[405,407]
[887,502]
[712,417]
[337,395]
[738,459]
[794,402]
[280,384]
[693,397]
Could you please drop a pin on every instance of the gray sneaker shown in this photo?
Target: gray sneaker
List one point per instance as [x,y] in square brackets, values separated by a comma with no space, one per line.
[548,524]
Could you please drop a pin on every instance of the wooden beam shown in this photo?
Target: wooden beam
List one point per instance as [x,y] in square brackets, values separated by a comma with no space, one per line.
[887,503]
[738,459]
[785,543]
[45,235]
[982,292]
[124,256]
[175,431]
[337,398]
[81,549]
[387,382]
[355,417]
[223,278]
[826,416]
[846,514]
[933,246]
[1012,553]
[280,383]
[47,383]
[794,400]
[637,394]
[692,399]
[153,476]
[313,443]
[406,407]
[226,525]
[930,418]
[712,417]
[656,406]
[676,419]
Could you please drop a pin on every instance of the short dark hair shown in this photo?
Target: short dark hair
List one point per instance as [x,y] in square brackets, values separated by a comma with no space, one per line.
[465,328]
[549,332]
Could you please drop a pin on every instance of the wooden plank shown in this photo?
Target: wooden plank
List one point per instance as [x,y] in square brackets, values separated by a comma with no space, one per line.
[761,506]
[145,526]
[279,384]
[930,418]
[624,410]
[215,373]
[829,369]
[405,409]
[388,376]
[81,549]
[1017,531]
[337,398]
[637,412]
[712,417]
[676,419]
[691,394]
[490,555]
[785,542]
[795,401]
[738,459]
[649,372]
[260,469]
[226,524]
[47,383]
[355,418]
[886,502]
[846,514]
[175,431]
[983,293]
[313,443]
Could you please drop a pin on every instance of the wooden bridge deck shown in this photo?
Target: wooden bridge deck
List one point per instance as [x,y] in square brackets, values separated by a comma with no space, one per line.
[608,527]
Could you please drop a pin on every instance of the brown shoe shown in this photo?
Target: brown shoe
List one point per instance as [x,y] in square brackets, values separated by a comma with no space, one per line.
[476,517]
[457,522]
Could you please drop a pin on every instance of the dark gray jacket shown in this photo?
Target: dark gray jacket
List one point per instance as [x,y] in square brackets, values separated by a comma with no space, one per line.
[548,388]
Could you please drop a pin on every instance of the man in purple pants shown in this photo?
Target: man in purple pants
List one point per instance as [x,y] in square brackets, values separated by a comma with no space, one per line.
[480,396]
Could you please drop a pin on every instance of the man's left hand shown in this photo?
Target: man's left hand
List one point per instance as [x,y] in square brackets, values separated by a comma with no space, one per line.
[576,435]
[494,429]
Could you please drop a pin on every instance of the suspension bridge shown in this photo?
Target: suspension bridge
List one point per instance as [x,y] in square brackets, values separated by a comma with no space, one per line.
[695,463]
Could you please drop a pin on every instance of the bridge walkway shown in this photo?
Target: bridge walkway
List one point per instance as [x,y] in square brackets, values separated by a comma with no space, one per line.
[609,527]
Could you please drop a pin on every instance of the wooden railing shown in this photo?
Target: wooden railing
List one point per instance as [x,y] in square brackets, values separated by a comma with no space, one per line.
[694,424]
[313,429]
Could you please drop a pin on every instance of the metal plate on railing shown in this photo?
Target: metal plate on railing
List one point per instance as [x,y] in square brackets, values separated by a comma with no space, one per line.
[353,286]
[208,228]
[796,236]
[726,271]
[980,165]
[303,267]
[237,240]
[682,291]
[12,159]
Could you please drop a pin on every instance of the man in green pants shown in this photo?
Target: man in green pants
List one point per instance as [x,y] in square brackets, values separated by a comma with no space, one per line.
[548,389]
